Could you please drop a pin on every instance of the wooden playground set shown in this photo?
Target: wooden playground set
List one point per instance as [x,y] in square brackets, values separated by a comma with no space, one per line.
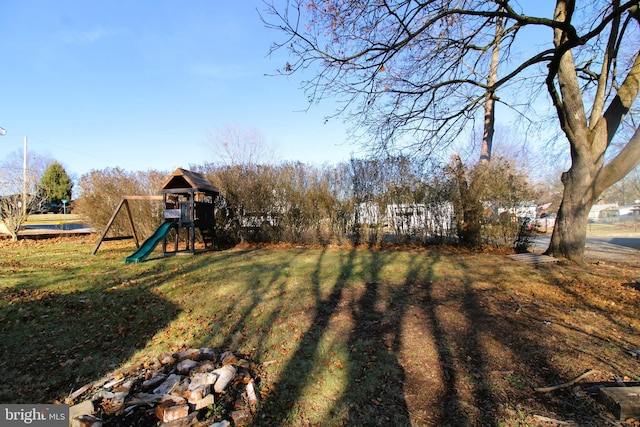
[188,206]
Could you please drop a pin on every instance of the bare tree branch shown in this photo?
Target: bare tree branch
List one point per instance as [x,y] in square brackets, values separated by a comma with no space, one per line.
[412,75]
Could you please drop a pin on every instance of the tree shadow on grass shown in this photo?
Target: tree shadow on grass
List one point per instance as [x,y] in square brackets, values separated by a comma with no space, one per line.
[280,406]
[352,346]
[440,348]
[375,391]
[53,341]
[486,349]
[474,343]
[459,359]
[359,337]
[402,351]
[260,284]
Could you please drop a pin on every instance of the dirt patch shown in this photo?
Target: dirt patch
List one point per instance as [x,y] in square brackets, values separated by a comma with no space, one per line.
[450,355]
[483,352]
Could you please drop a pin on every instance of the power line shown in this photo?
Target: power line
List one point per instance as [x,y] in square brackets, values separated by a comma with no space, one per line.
[72,150]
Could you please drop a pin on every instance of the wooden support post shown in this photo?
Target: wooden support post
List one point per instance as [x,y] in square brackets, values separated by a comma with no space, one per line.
[133,228]
[123,202]
[104,233]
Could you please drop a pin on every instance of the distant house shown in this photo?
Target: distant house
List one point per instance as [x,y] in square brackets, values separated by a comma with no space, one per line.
[523,212]
[605,213]
[629,212]
[368,213]
[409,218]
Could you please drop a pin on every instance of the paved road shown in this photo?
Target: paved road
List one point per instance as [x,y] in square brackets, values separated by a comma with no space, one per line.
[629,242]
[613,249]
[542,241]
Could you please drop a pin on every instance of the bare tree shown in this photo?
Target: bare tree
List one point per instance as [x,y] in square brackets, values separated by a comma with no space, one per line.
[233,145]
[626,191]
[18,189]
[414,74]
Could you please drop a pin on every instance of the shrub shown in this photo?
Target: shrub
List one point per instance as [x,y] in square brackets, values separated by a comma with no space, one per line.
[102,191]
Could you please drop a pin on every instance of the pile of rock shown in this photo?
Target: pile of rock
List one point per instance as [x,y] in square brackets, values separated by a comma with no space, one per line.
[193,387]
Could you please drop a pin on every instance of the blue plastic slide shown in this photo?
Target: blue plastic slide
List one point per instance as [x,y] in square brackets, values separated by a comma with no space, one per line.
[150,244]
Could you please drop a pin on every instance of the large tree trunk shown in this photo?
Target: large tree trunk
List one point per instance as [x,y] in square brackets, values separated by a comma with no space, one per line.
[569,234]
[470,228]
[583,183]
[490,102]
[589,139]
[471,190]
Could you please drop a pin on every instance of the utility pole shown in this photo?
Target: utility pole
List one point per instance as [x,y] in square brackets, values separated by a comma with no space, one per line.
[24,173]
[24,179]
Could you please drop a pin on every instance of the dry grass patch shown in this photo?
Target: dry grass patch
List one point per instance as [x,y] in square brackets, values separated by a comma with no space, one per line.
[342,336]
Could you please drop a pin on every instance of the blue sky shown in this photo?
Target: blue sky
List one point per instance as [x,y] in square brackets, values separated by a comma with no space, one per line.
[142,84]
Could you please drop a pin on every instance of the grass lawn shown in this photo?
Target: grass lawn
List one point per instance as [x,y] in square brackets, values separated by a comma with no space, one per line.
[342,336]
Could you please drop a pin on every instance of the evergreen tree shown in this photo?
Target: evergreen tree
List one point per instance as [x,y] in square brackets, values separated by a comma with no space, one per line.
[55,185]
